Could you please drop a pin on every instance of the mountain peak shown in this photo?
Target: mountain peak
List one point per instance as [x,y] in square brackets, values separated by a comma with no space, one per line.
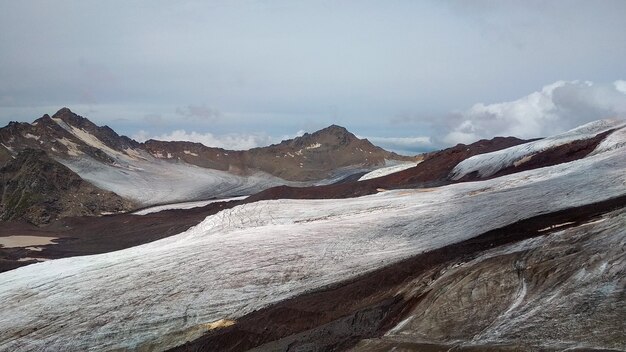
[64,110]
[66,115]
[335,129]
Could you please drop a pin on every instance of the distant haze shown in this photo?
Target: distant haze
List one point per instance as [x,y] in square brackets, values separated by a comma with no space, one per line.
[409,75]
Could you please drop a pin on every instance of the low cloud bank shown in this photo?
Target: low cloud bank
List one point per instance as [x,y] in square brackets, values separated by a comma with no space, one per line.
[557,107]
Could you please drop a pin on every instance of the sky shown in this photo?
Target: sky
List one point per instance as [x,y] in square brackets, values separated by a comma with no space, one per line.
[411,76]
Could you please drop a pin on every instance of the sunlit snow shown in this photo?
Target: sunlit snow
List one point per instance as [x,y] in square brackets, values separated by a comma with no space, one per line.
[247,257]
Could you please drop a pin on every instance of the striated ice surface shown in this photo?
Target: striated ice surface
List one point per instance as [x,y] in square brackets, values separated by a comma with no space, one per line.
[158,295]
[155,181]
[490,163]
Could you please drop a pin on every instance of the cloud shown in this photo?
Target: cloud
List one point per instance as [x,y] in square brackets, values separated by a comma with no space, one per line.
[403,145]
[557,107]
[199,112]
[233,141]
[403,141]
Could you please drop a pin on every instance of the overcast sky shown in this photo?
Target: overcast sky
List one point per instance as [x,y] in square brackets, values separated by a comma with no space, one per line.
[409,75]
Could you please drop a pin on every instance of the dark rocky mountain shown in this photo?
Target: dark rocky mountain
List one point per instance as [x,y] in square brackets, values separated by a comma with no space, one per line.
[57,136]
[5,156]
[100,155]
[310,157]
[36,188]
[431,172]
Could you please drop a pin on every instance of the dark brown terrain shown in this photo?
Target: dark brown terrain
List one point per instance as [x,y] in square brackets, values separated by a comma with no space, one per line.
[84,235]
[47,135]
[431,172]
[37,189]
[309,157]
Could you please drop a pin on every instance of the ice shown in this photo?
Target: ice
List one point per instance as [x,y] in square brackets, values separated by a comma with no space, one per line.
[184,205]
[490,163]
[153,181]
[387,170]
[239,260]
[148,180]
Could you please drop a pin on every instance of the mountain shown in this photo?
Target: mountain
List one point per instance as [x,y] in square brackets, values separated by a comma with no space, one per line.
[161,172]
[487,254]
[36,188]
[310,157]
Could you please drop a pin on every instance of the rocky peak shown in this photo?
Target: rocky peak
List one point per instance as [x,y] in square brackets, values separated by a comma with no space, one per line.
[335,132]
[69,117]
[36,188]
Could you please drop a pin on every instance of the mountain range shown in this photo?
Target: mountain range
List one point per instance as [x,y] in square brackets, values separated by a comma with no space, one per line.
[499,245]
[141,174]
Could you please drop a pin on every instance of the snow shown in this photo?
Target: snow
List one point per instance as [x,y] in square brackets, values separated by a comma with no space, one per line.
[190,153]
[184,205]
[387,170]
[7,148]
[615,140]
[86,137]
[314,146]
[247,257]
[152,181]
[489,164]
[148,180]
[72,148]
[31,136]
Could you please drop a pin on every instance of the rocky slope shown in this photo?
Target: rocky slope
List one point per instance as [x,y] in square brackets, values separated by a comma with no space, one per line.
[310,157]
[483,159]
[38,189]
[161,172]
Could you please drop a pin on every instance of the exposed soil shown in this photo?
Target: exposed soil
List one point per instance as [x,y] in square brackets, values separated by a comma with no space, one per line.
[336,317]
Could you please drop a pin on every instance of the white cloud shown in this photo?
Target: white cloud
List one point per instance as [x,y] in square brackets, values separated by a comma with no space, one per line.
[555,108]
[620,86]
[402,141]
[403,145]
[232,141]
[201,112]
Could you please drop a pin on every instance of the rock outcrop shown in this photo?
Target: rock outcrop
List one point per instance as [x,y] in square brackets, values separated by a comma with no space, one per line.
[38,189]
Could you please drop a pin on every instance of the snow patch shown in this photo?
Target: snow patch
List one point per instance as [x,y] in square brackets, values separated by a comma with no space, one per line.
[72,148]
[7,147]
[31,136]
[387,170]
[314,146]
